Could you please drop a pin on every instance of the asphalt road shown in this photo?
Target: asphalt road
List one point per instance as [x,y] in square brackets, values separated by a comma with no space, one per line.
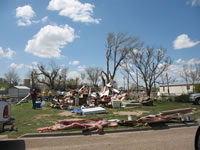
[167,139]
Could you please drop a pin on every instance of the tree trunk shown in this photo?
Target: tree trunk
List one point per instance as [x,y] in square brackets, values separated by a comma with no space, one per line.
[103,81]
[149,93]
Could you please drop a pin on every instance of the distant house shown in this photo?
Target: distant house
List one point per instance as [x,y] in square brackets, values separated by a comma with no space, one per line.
[18,91]
[176,89]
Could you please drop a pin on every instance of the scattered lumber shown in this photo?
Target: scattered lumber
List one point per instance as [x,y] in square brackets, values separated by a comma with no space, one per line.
[87,125]
[23,99]
[181,111]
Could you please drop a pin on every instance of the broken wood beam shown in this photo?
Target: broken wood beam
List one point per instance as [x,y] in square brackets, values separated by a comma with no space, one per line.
[170,112]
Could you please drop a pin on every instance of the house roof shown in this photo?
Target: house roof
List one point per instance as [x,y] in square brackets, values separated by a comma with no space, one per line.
[22,87]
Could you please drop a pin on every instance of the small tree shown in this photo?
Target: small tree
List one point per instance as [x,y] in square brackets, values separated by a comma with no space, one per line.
[185,74]
[166,79]
[82,77]
[128,71]
[74,83]
[62,76]
[191,74]
[93,74]
[12,78]
[197,88]
[126,75]
[51,75]
[194,74]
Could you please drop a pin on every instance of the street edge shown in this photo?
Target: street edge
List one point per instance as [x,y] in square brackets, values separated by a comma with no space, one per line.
[53,134]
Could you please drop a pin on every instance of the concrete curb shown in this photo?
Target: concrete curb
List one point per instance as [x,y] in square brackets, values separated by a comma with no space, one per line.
[54,134]
[3,137]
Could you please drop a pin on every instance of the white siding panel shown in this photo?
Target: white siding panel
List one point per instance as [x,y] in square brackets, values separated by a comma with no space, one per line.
[176,90]
[13,92]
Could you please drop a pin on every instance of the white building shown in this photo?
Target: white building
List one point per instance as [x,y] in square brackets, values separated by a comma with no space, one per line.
[176,89]
[18,91]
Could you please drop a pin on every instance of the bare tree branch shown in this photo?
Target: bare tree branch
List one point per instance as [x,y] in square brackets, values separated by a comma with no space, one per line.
[50,75]
[93,74]
[151,63]
[117,48]
[12,78]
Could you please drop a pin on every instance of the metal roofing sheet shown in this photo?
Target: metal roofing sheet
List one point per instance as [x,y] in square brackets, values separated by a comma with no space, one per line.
[22,87]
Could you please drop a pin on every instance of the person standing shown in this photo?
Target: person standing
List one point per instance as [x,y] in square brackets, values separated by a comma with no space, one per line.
[43,97]
[50,97]
[76,96]
[34,98]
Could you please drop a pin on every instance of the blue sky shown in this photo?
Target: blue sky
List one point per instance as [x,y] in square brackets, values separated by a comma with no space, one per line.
[73,32]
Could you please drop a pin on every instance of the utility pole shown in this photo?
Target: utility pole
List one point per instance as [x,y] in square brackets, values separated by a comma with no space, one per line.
[167,84]
[154,79]
[32,80]
[128,83]
[137,81]
[124,82]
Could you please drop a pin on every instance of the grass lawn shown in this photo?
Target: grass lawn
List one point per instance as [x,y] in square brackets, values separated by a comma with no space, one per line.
[28,120]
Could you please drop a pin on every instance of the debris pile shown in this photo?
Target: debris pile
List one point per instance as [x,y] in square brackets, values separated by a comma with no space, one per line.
[177,115]
[86,124]
[108,97]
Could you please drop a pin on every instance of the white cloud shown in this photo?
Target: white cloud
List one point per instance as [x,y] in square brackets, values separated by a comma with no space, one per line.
[81,68]
[194,2]
[74,9]
[180,61]
[44,19]
[33,65]
[188,62]
[73,75]
[15,66]
[174,70]
[75,62]
[183,41]
[135,51]
[25,15]
[193,61]
[47,43]
[9,54]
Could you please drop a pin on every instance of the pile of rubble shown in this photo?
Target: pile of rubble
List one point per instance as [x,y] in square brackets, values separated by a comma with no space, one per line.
[108,96]
[171,116]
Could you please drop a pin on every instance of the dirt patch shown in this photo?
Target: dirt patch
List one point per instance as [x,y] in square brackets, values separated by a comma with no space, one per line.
[135,113]
[52,122]
[66,113]
[42,116]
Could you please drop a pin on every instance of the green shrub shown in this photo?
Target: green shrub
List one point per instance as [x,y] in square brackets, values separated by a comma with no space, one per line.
[197,88]
[182,98]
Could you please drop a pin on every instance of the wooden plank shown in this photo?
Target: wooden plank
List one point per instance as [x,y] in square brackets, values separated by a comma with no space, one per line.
[169,112]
